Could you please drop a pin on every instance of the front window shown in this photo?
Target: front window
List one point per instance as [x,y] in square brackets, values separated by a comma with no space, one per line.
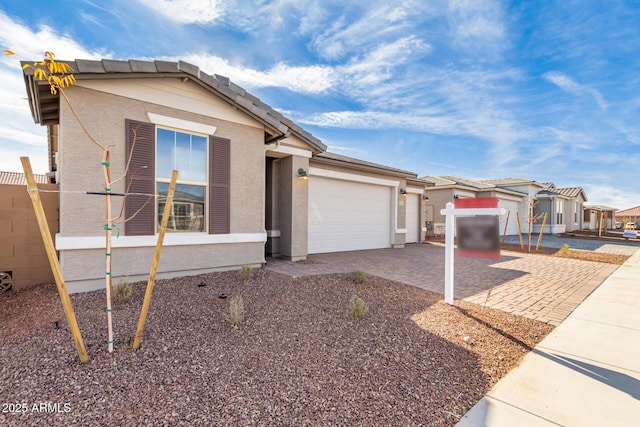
[559,212]
[187,153]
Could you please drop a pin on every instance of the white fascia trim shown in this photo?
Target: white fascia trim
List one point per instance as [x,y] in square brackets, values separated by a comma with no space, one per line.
[326,173]
[181,124]
[273,233]
[178,239]
[414,191]
[284,149]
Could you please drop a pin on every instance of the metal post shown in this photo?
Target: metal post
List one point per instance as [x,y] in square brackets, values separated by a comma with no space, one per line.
[448,254]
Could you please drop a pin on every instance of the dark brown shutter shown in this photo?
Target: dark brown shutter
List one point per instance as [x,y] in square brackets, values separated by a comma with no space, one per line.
[219,161]
[141,138]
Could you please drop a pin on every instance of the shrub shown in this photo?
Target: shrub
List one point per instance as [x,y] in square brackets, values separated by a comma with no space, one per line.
[357,308]
[564,249]
[122,292]
[246,272]
[359,276]
[236,311]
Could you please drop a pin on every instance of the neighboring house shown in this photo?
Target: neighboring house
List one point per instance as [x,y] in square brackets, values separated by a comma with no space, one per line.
[628,215]
[564,208]
[23,259]
[598,218]
[251,182]
[447,188]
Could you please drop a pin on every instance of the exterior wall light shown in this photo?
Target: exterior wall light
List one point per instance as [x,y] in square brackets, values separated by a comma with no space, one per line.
[303,174]
[403,191]
[425,197]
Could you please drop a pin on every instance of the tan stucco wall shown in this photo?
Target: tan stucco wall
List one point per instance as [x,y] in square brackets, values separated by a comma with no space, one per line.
[80,170]
[438,199]
[422,216]
[22,251]
[293,201]
[84,269]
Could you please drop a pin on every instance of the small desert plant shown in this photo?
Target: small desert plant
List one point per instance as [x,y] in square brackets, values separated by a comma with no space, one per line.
[564,249]
[246,272]
[236,311]
[357,308]
[359,276]
[122,292]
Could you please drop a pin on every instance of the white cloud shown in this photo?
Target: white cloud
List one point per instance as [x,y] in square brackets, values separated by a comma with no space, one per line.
[307,79]
[20,135]
[31,45]
[378,64]
[610,196]
[569,85]
[477,25]
[187,11]
[348,36]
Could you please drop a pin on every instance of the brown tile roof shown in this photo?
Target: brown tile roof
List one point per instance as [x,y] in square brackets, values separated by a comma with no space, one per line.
[334,158]
[17,178]
[509,181]
[629,212]
[599,208]
[481,185]
[438,180]
[572,192]
[44,106]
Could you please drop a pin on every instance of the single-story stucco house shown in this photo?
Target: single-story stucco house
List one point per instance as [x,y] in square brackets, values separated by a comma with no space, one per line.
[447,188]
[562,206]
[251,182]
[598,218]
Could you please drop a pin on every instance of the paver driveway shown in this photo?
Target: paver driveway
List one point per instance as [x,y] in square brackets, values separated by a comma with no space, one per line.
[534,286]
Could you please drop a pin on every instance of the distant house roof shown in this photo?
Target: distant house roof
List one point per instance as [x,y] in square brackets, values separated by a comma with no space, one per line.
[509,181]
[600,208]
[629,212]
[570,191]
[17,178]
[480,186]
[339,159]
[45,106]
[438,180]
[470,182]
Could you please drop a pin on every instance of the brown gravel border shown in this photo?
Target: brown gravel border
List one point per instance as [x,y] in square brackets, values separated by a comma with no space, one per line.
[297,359]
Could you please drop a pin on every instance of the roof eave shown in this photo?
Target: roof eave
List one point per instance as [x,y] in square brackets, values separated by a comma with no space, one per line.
[220,86]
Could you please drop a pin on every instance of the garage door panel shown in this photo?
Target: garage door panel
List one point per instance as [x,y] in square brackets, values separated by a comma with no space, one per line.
[512,226]
[347,215]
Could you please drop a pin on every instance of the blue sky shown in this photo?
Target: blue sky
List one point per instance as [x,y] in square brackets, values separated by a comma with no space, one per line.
[479,89]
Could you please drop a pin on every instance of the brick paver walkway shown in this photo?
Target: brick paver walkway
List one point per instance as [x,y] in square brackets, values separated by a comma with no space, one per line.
[535,286]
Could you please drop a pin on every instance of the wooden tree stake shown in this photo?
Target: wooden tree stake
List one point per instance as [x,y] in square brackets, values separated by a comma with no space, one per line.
[53,260]
[156,258]
[506,224]
[519,231]
[544,222]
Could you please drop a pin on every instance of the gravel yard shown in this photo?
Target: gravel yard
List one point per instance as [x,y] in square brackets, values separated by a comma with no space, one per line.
[297,359]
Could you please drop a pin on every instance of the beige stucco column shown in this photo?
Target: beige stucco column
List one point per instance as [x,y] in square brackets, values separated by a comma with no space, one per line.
[294,203]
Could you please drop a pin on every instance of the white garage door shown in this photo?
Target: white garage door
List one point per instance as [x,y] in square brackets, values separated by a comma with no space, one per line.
[413,218]
[347,215]
[512,226]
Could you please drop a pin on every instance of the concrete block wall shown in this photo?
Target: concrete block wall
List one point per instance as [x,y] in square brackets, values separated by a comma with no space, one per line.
[22,253]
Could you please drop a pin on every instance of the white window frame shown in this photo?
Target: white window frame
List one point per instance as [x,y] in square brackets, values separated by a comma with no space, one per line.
[185,182]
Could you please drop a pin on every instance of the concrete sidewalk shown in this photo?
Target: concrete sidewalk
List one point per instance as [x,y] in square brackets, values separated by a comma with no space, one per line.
[585,373]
